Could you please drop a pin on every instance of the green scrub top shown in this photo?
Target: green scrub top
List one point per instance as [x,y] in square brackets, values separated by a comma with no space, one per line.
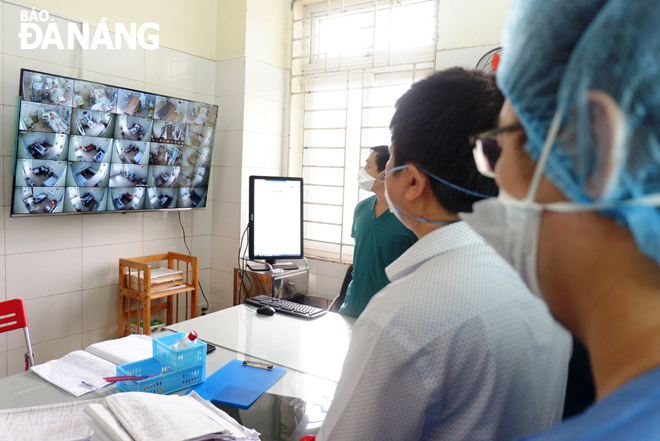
[379,241]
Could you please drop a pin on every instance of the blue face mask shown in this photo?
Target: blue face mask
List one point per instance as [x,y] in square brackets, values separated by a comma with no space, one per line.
[398,212]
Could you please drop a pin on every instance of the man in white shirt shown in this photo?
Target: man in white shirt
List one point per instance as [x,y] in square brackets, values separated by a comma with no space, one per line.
[456,347]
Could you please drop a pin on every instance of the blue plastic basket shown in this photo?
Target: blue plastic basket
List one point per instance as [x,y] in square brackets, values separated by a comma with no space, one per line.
[191,356]
[165,379]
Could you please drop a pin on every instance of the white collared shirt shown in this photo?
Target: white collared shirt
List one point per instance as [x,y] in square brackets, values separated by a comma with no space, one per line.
[455,348]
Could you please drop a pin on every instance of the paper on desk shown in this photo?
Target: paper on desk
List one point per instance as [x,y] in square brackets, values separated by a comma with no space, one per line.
[129,349]
[71,370]
[105,425]
[57,422]
[153,417]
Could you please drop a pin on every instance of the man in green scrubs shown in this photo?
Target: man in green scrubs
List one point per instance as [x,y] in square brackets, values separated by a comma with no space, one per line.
[380,238]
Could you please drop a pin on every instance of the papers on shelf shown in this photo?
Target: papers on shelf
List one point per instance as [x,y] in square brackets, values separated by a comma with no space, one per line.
[158,276]
[152,417]
[81,372]
[64,422]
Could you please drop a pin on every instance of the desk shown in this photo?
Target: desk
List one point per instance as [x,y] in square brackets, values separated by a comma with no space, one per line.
[317,347]
[267,414]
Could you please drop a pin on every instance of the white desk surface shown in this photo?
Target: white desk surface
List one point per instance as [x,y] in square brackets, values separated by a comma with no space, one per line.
[28,389]
[317,347]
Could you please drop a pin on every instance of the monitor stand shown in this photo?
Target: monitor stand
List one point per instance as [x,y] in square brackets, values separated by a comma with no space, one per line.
[281,265]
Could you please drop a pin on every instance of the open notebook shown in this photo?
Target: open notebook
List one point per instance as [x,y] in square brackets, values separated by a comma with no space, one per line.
[81,372]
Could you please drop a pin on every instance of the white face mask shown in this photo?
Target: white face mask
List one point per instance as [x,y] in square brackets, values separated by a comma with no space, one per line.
[365,180]
[512,226]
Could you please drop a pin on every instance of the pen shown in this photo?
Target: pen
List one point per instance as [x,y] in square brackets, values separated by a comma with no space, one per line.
[258,364]
[91,386]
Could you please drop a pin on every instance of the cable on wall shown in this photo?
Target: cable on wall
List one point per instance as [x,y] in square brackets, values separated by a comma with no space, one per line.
[190,254]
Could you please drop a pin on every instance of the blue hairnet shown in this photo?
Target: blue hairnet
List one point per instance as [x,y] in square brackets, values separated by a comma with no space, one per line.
[555,51]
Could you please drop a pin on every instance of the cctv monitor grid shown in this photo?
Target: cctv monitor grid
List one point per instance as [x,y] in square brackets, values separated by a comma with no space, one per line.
[89,147]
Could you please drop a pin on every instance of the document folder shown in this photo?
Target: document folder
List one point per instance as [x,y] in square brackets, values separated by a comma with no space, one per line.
[238,385]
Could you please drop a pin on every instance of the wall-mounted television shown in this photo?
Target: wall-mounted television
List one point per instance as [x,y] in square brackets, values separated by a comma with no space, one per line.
[275,222]
[83,147]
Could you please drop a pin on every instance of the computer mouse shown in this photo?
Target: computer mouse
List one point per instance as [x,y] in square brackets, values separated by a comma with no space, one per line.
[266,310]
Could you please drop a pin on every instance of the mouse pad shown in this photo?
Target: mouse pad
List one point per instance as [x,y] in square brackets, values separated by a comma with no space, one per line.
[237,385]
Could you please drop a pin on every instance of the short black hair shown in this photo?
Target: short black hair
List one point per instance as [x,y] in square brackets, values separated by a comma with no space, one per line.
[382,156]
[432,125]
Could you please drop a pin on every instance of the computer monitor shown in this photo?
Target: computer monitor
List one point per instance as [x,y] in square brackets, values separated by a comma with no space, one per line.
[275,223]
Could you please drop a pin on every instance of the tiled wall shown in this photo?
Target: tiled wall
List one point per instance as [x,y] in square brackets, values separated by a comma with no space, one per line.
[65,268]
[253,137]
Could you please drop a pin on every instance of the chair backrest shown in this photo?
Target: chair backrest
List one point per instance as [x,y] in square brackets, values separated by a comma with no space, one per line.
[12,315]
[339,300]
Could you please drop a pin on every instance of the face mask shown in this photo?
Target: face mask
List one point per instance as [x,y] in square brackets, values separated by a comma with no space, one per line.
[512,226]
[365,180]
[398,212]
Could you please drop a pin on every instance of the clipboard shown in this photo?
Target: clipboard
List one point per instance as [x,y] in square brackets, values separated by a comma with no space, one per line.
[237,385]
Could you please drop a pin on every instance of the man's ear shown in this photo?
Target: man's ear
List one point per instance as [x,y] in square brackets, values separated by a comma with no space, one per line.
[608,136]
[418,181]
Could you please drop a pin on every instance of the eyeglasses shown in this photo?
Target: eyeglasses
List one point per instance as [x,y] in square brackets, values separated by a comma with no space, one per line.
[486,149]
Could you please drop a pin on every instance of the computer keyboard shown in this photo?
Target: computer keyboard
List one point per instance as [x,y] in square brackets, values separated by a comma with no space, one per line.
[286,307]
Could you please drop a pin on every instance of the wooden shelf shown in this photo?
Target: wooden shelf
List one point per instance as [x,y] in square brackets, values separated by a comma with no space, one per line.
[136,303]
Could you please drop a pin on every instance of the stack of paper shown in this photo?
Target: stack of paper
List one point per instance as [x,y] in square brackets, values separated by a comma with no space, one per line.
[81,372]
[146,417]
[162,279]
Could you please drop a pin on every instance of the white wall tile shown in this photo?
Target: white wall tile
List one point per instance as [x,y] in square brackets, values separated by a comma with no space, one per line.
[128,83]
[101,334]
[165,225]
[222,286]
[124,62]
[230,77]
[224,253]
[3,338]
[50,350]
[337,270]
[202,98]
[201,247]
[100,307]
[2,89]
[3,281]
[164,245]
[43,274]
[201,219]
[230,112]
[11,27]
[205,76]
[9,129]
[100,265]
[227,184]
[313,285]
[3,359]
[328,287]
[12,73]
[262,115]
[205,281]
[34,234]
[50,318]
[261,150]
[264,81]
[226,219]
[107,229]
[159,89]
[228,150]
[170,68]
[7,180]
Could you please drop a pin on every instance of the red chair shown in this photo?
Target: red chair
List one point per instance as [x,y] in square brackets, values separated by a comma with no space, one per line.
[12,316]
[308,438]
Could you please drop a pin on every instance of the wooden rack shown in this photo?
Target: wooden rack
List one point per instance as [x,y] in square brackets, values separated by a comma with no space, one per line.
[137,303]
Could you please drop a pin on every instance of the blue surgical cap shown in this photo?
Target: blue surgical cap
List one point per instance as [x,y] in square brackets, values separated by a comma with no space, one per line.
[554,53]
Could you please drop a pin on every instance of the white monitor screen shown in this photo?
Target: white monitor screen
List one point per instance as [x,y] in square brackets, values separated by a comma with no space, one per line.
[275,217]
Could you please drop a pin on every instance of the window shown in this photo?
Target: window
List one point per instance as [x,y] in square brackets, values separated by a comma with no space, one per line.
[351,61]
